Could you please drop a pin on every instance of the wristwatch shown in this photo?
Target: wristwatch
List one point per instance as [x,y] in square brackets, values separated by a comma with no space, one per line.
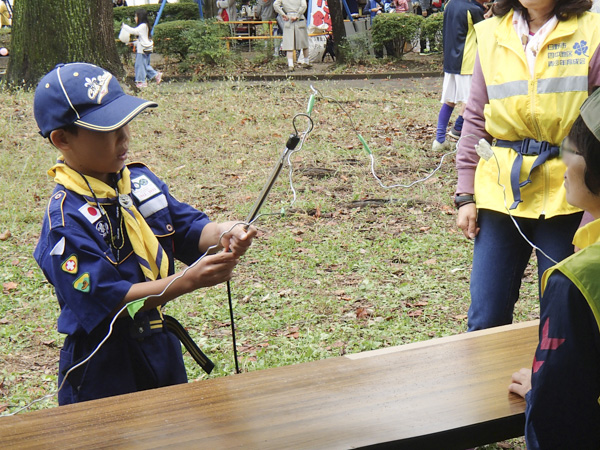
[463,199]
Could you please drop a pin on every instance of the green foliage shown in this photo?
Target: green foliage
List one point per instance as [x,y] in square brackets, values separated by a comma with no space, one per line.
[169,39]
[432,30]
[395,30]
[205,41]
[171,12]
[356,48]
[200,38]
[5,38]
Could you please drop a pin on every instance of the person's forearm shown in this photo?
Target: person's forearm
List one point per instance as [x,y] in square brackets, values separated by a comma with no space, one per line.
[154,288]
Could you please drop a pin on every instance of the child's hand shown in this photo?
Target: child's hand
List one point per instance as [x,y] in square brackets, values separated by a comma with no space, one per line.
[212,270]
[238,240]
[521,382]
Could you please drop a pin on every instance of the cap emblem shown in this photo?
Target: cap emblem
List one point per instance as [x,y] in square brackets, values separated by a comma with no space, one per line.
[98,87]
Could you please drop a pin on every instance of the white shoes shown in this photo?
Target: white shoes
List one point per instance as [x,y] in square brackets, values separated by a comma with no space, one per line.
[442,146]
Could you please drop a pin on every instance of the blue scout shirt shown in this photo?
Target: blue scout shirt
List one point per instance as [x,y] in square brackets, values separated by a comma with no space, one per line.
[91,278]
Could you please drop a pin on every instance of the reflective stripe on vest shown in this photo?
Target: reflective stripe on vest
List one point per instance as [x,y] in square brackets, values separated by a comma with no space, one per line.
[544,86]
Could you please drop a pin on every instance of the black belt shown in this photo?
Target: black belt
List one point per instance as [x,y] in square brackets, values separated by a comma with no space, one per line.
[177,329]
[527,147]
[144,327]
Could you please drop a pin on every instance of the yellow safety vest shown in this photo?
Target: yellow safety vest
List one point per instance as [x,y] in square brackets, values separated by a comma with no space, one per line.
[542,108]
[583,267]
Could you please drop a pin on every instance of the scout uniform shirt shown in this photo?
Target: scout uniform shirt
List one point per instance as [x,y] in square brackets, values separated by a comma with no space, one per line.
[91,276]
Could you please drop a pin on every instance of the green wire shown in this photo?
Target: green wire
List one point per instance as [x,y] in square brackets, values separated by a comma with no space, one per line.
[364,143]
[311,104]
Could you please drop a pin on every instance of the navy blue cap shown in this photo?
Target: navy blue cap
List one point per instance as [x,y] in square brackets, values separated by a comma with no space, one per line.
[85,95]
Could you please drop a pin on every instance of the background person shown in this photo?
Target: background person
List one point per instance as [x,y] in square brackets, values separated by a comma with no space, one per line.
[143,48]
[531,76]
[295,33]
[563,386]
[5,18]
[460,47]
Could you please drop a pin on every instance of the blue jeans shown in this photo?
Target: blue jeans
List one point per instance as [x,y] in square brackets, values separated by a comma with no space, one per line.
[501,255]
[143,69]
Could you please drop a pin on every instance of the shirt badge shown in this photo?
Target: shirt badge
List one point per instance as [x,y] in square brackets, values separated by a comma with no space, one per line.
[90,212]
[82,283]
[102,228]
[143,188]
[70,265]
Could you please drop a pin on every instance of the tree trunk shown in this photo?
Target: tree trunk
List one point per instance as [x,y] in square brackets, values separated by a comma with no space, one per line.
[209,8]
[338,28]
[48,32]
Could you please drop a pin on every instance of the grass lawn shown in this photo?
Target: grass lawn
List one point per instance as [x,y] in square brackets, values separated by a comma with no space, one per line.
[349,266]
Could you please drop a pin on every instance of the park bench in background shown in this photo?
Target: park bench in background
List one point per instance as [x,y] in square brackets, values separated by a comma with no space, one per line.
[444,393]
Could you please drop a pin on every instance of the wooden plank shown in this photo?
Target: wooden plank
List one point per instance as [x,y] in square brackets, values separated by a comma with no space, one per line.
[444,393]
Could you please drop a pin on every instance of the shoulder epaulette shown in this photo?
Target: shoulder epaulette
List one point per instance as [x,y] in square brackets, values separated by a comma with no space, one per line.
[56,216]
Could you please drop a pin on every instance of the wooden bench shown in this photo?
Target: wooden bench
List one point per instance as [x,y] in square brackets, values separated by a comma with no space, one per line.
[443,393]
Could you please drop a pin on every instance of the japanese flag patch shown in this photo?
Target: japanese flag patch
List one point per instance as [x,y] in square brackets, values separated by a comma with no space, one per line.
[90,212]
[70,265]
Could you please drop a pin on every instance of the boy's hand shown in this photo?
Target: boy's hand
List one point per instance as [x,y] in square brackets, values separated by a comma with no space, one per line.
[238,240]
[212,270]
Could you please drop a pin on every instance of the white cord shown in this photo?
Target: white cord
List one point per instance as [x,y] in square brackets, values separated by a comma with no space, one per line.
[110,328]
[484,150]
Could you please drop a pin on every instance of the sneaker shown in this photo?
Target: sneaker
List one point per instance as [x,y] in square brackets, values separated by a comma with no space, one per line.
[290,69]
[141,84]
[441,146]
[158,77]
[454,133]
[306,65]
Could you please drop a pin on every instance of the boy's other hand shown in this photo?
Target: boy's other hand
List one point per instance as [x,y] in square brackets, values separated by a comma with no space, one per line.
[239,239]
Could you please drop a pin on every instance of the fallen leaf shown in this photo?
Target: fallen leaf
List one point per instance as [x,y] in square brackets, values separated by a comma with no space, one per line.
[9,286]
[415,313]
[430,262]
[4,236]
[363,312]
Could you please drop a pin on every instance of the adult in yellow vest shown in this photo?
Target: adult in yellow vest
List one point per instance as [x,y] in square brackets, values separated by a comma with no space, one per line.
[563,387]
[537,62]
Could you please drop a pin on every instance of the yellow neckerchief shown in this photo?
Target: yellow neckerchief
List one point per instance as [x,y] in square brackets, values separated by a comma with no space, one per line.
[587,235]
[151,256]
